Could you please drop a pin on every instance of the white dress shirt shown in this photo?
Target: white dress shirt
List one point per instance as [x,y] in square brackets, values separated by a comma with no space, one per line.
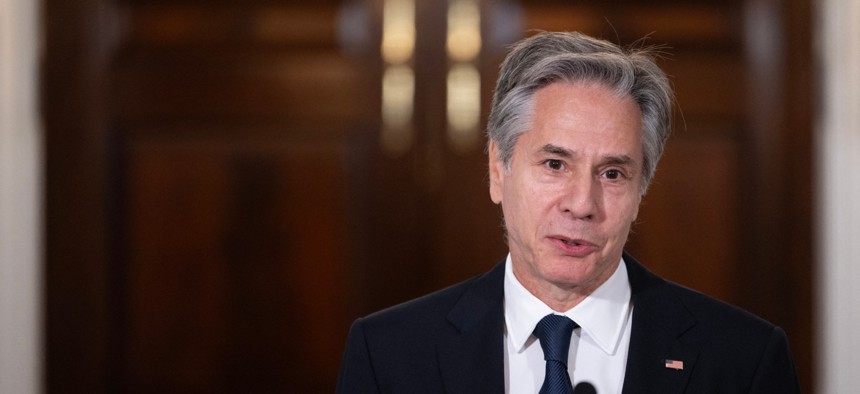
[598,350]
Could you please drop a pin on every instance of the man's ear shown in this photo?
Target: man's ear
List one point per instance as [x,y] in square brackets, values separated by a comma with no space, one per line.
[497,173]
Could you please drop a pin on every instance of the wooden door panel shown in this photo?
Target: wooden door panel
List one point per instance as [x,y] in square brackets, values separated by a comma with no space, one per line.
[679,24]
[240,24]
[275,87]
[688,221]
[237,264]
[241,130]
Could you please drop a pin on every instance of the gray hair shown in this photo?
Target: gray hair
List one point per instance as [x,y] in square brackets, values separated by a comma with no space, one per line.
[574,57]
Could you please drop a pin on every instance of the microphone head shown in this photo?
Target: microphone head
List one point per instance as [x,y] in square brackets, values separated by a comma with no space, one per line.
[584,388]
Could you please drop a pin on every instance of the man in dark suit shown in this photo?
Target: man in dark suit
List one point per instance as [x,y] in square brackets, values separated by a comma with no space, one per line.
[575,133]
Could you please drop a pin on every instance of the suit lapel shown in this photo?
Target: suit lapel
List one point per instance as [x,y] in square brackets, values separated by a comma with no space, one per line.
[473,361]
[659,322]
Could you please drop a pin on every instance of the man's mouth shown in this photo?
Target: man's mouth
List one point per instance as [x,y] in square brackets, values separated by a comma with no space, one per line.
[575,247]
[573,241]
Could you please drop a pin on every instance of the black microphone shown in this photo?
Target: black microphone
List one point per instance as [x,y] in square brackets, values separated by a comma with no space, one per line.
[584,388]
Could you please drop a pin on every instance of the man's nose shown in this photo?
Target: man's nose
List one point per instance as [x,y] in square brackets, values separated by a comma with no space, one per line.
[581,197]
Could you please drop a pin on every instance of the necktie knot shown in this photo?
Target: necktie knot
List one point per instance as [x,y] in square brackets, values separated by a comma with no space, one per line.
[554,333]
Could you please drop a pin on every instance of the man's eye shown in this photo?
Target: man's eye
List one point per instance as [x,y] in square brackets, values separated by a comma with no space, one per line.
[554,164]
[613,174]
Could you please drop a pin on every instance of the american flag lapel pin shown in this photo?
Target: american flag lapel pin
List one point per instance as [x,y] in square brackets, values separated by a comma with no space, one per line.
[677,365]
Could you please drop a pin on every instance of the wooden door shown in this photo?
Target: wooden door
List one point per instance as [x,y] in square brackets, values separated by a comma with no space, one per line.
[216,184]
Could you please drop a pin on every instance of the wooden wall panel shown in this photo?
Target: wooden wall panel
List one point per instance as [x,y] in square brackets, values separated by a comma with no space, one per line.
[176,280]
[710,88]
[676,24]
[155,86]
[236,274]
[240,134]
[188,24]
[687,226]
[470,236]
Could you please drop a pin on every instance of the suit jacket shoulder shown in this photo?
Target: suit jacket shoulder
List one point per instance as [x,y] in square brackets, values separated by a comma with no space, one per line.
[447,341]
[685,341]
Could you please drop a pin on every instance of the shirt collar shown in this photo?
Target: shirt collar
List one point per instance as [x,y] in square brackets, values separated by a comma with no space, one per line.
[602,315]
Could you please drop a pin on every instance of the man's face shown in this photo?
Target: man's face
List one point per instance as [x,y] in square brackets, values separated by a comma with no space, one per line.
[572,191]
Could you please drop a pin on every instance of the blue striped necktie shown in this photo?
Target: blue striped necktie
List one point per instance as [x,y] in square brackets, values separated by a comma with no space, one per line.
[554,333]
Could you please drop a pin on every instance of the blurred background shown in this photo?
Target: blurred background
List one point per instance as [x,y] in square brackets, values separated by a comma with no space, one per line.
[200,196]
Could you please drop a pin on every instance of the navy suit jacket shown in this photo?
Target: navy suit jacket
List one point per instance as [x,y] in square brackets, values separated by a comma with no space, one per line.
[451,341]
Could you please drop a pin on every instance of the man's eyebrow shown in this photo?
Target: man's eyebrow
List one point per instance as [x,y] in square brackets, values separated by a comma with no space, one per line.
[617,160]
[557,150]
